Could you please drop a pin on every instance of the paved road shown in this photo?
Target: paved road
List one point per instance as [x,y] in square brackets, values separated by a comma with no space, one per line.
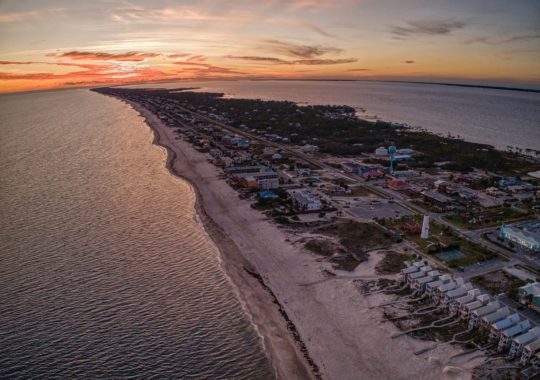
[480,269]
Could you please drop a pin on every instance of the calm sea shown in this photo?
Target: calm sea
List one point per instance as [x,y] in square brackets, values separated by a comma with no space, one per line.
[496,117]
[105,271]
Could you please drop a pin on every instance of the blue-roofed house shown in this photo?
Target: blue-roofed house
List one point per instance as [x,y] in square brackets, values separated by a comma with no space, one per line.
[267,194]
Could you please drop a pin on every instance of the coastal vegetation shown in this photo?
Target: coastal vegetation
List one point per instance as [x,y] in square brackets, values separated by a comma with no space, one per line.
[348,243]
[323,247]
[336,130]
[392,262]
[356,237]
[471,219]
[499,282]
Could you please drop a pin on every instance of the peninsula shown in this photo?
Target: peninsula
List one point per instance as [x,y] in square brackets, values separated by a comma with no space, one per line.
[322,219]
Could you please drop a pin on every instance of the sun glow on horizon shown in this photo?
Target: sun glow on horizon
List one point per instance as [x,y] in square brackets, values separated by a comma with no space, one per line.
[110,43]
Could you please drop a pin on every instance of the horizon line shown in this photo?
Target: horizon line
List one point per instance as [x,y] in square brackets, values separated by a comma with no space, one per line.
[451,84]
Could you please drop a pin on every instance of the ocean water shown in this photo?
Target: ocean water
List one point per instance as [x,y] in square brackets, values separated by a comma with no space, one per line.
[496,117]
[105,271]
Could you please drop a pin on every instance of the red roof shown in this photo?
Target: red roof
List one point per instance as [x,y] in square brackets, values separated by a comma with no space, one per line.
[397,184]
[374,173]
[413,227]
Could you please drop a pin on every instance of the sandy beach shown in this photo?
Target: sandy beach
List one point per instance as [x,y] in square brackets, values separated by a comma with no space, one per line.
[332,332]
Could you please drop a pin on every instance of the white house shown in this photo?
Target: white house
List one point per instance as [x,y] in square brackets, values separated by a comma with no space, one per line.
[381,151]
[306,201]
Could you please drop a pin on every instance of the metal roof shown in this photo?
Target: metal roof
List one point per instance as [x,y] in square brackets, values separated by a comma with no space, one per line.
[497,316]
[517,329]
[469,297]
[489,308]
[434,284]
[528,337]
[462,290]
[465,299]
[507,322]
[447,287]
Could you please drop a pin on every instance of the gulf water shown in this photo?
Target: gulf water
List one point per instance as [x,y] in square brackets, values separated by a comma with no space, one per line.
[105,271]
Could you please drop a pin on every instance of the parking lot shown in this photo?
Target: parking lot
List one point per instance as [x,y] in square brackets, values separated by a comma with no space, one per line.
[368,208]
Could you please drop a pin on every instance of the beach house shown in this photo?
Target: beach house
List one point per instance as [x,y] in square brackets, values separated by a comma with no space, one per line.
[306,201]
[529,350]
[497,316]
[511,332]
[476,315]
[497,327]
[519,342]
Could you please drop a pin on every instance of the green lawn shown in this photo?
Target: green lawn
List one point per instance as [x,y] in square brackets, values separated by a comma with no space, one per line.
[490,218]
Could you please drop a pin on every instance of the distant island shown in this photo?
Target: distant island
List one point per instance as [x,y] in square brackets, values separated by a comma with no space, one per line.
[414,82]
[470,85]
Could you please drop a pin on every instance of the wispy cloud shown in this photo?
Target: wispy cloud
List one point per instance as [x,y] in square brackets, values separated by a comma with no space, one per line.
[360,69]
[196,58]
[325,61]
[87,66]
[503,40]
[427,27]
[310,4]
[178,55]
[256,58]
[409,61]
[188,57]
[188,63]
[279,61]
[298,50]
[100,56]
[16,63]
[8,17]
[89,71]
[318,30]
[169,15]
[212,70]
[205,69]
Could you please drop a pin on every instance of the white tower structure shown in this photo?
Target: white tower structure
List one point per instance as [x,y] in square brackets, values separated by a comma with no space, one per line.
[425,227]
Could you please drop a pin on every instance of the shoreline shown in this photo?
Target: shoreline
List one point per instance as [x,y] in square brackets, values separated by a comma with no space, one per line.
[311,326]
[240,272]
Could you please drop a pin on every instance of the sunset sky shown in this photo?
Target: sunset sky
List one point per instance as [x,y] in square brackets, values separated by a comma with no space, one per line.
[64,43]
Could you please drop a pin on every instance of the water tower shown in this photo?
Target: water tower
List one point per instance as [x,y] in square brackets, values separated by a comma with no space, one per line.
[392,151]
[425,228]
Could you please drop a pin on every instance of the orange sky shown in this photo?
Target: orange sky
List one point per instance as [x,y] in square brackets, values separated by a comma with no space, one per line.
[60,43]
